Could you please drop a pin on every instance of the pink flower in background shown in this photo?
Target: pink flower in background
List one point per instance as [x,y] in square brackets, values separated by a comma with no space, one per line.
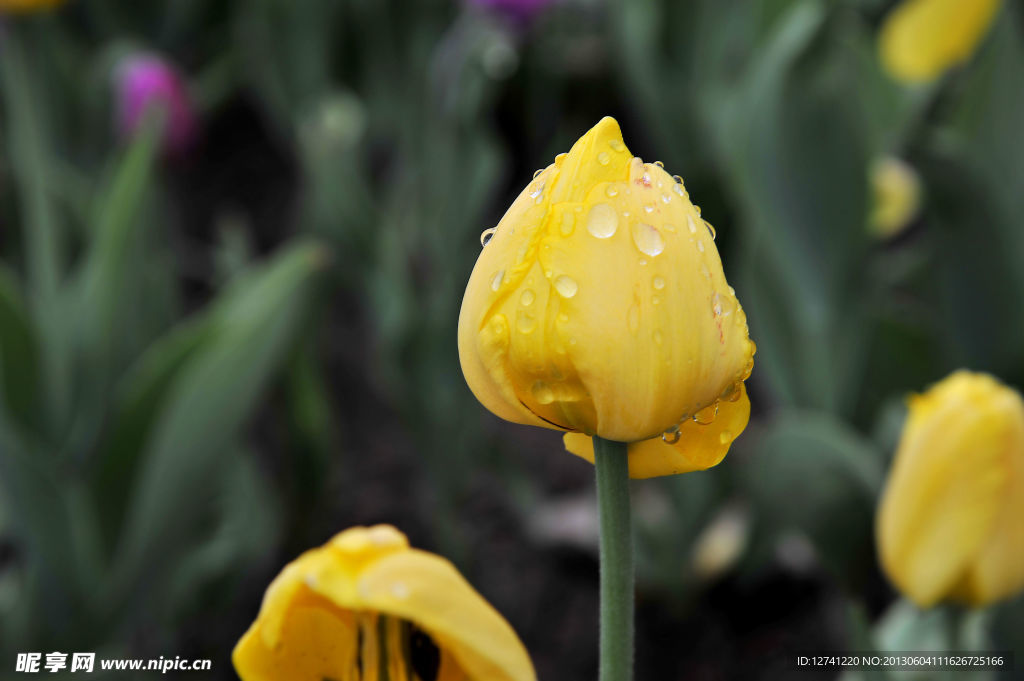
[517,9]
[146,80]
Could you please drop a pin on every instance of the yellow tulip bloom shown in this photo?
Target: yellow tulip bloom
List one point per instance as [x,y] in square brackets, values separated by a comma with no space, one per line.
[920,39]
[897,196]
[599,306]
[949,524]
[367,607]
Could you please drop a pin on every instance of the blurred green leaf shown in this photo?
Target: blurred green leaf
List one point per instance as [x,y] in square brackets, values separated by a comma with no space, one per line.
[207,402]
[104,281]
[19,371]
[811,473]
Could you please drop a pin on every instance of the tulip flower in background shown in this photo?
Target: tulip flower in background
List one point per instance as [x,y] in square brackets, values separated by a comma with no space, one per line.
[921,39]
[897,196]
[146,81]
[949,525]
[599,307]
[366,606]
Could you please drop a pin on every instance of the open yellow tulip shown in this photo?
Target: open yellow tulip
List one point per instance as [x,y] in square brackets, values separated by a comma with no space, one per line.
[949,525]
[920,39]
[366,607]
[599,307]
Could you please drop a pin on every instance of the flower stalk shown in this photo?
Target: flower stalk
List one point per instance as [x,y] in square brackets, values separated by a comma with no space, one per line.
[616,556]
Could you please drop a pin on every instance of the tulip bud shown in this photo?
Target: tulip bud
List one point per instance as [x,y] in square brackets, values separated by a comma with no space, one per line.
[144,82]
[949,524]
[897,196]
[921,39]
[599,306]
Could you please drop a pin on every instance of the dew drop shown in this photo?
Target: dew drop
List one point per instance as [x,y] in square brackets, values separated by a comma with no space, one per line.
[563,317]
[536,193]
[658,283]
[611,191]
[711,230]
[706,415]
[649,208]
[696,209]
[527,298]
[543,393]
[665,198]
[671,436]
[678,179]
[647,239]
[537,173]
[568,224]
[700,246]
[497,279]
[669,228]
[656,300]
[705,271]
[616,145]
[678,189]
[725,437]
[486,235]
[602,221]
[659,164]
[732,393]
[525,323]
[604,158]
[691,224]
[566,286]
[643,262]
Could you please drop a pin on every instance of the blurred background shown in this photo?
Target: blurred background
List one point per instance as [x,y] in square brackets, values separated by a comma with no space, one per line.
[227,324]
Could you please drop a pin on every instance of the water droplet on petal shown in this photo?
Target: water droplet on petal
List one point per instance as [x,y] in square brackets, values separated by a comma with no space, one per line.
[700,246]
[604,158]
[671,436]
[536,193]
[525,323]
[656,300]
[659,164]
[647,239]
[566,286]
[611,191]
[563,317]
[696,209]
[725,437]
[537,173]
[497,279]
[486,235]
[678,189]
[602,221]
[669,228]
[527,298]
[665,198]
[732,393]
[658,283]
[711,230]
[616,145]
[649,208]
[706,415]
[633,318]
[568,224]
[705,271]
[543,393]
[691,224]
[678,179]
[399,590]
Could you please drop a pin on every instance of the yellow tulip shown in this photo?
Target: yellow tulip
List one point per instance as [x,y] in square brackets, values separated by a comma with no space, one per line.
[950,522]
[897,196]
[599,306]
[367,607]
[920,39]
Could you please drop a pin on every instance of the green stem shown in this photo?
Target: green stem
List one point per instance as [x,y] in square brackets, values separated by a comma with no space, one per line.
[611,464]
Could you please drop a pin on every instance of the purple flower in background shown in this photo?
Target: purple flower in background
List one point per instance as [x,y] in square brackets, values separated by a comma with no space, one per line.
[522,10]
[145,80]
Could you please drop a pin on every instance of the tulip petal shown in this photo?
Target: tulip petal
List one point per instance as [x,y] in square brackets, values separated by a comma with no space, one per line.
[699,446]
[945,490]
[922,38]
